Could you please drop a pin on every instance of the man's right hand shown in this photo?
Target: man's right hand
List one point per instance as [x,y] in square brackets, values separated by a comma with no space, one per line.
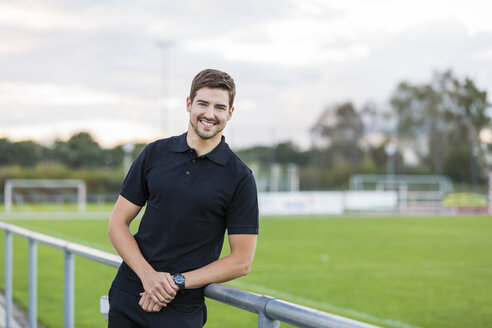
[159,286]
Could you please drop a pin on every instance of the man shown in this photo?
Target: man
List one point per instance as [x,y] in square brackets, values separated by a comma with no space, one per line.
[195,189]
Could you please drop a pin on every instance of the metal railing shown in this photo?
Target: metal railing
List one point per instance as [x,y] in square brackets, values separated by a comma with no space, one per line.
[270,310]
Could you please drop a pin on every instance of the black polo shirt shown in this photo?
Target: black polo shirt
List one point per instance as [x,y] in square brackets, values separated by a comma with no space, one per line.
[191,201]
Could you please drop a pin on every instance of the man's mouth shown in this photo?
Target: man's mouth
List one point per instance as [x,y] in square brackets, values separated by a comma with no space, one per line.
[207,123]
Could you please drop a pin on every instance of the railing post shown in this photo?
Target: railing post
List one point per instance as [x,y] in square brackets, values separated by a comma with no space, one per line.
[8,278]
[263,320]
[69,289]
[33,283]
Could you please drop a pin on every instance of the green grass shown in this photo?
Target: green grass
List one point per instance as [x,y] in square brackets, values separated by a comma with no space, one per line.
[394,272]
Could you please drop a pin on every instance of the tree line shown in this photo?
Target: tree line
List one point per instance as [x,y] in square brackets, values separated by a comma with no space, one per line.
[433,127]
[79,151]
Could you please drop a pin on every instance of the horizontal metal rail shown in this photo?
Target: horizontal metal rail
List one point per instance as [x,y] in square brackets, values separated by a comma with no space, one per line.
[276,309]
[77,249]
[270,310]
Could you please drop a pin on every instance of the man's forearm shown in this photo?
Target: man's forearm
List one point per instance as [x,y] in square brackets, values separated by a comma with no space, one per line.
[158,285]
[235,265]
[127,247]
[222,270]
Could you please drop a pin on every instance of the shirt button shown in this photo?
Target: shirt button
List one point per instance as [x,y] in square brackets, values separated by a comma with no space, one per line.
[187,172]
[193,160]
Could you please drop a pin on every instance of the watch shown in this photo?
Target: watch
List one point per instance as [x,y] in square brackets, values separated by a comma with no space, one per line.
[179,280]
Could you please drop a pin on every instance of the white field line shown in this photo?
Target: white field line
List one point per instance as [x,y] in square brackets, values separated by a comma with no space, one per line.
[325,306]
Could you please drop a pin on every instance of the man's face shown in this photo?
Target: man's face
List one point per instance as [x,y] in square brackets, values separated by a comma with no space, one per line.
[209,112]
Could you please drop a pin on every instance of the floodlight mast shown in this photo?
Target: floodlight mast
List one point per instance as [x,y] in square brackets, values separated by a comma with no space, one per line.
[127,160]
[164,46]
[8,196]
[390,150]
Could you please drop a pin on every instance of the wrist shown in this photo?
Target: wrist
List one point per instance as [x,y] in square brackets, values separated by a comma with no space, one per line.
[179,280]
[145,271]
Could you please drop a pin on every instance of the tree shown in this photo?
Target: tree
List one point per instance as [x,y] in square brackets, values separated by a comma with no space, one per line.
[287,152]
[26,153]
[340,129]
[440,117]
[420,120]
[82,151]
[284,153]
[5,151]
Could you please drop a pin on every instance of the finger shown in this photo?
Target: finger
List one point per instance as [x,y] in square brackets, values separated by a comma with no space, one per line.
[173,285]
[156,300]
[142,300]
[156,308]
[150,306]
[146,304]
[169,288]
[162,298]
[160,294]
[166,295]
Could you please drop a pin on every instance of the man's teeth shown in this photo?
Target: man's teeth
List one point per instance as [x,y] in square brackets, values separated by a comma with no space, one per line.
[207,123]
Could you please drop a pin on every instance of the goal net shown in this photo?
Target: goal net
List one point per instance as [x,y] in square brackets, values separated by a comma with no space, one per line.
[276,177]
[45,191]
[416,193]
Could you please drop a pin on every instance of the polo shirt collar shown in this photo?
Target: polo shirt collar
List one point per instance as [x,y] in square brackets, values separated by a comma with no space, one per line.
[219,154]
[179,144]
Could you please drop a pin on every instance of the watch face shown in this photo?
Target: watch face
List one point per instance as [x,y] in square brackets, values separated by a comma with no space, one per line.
[179,279]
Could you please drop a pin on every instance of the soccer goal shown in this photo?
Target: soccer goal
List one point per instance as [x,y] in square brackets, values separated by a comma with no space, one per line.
[276,177]
[39,191]
[416,193]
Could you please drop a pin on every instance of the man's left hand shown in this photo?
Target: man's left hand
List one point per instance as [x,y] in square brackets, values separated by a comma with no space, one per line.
[147,304]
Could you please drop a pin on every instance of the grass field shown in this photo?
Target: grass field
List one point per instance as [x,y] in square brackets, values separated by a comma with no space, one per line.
[393,272]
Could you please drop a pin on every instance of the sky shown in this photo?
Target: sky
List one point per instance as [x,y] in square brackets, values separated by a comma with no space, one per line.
[122,70]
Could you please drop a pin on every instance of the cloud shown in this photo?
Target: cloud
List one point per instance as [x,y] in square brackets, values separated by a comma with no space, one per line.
[484,54]
[85,60]
[12,94]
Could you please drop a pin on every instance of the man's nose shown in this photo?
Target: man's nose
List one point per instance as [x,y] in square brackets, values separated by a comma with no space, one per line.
[209,113]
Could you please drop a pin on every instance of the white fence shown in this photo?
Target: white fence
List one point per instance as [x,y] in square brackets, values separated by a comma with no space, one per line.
[269,309]
[326,202]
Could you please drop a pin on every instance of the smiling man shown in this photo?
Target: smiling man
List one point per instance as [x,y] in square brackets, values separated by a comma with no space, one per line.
[195,190]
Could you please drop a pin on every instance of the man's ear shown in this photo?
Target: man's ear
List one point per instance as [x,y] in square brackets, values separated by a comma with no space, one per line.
[188,104]
[230,112]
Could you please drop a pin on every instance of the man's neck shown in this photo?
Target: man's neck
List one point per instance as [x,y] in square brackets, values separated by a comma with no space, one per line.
[200,145]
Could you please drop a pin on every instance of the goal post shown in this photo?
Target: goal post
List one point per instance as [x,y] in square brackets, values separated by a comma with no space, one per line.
[416,193]
[12,184]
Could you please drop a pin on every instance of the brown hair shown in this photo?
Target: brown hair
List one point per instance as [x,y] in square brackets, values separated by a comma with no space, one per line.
[213,78]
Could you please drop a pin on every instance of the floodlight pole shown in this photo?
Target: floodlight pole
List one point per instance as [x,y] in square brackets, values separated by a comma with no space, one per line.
[165,46]
[127,160]
[490,192]
[8,196]
[390,150]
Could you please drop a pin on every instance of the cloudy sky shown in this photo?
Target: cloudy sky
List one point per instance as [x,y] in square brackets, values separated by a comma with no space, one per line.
[122,69]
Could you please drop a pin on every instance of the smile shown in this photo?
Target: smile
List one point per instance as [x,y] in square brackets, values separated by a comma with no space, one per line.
[207,123]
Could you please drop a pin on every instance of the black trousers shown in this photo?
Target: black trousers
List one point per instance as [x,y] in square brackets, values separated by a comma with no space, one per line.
[125,312]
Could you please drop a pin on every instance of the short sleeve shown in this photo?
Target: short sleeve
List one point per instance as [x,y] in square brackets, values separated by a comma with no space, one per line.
[242,214]
[134,186]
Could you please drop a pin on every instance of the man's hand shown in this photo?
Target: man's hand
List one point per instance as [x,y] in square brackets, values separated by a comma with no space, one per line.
[159,287]
[147,304]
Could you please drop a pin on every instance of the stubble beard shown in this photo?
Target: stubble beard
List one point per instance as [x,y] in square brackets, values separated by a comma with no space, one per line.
[206,135]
